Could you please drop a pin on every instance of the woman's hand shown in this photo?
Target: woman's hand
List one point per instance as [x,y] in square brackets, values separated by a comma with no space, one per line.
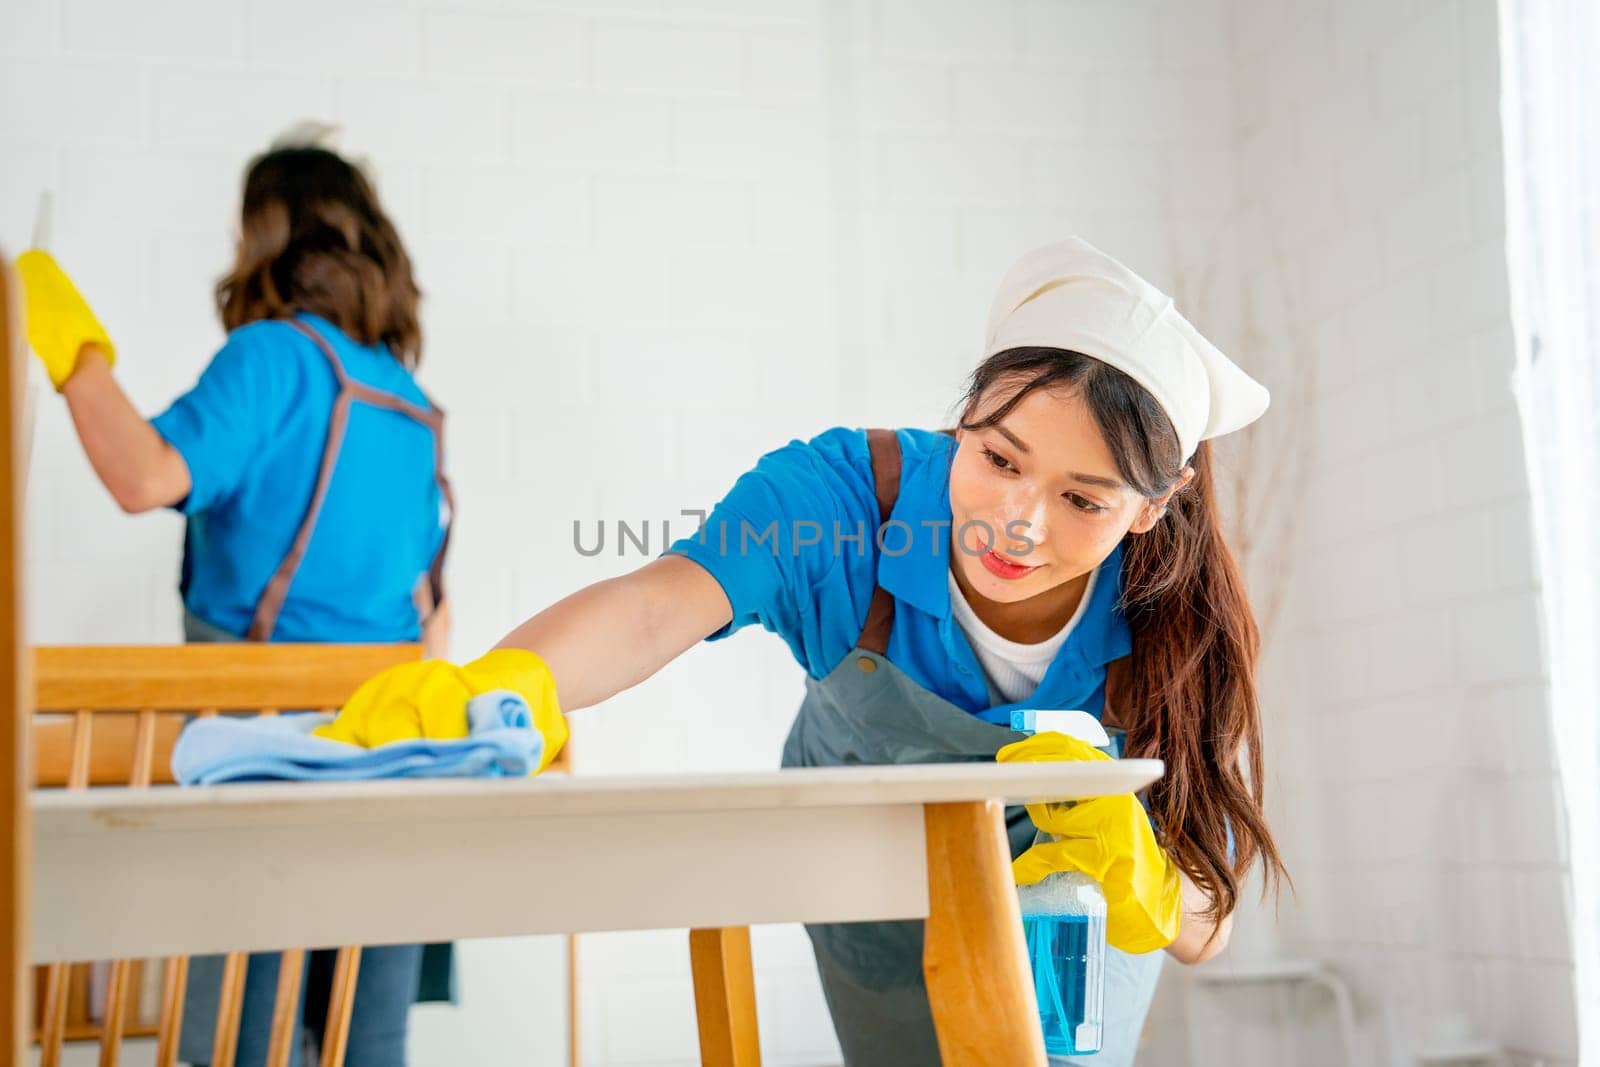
[428,699]
[60,323]
[596,642]
[1150,902]
[141,470]
[1109,839]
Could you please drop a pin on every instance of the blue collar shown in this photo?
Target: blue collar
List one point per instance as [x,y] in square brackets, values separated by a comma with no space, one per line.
[920,576]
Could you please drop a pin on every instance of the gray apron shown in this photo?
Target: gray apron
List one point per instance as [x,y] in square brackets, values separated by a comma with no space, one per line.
[868,711]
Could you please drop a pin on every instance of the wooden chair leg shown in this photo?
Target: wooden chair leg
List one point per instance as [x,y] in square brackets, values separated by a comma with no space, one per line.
[725,997]
[174,982]
[286,1008]
[974,958]
[342,999]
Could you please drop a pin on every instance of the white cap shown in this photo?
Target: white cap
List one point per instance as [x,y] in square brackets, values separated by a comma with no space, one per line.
[1073,296]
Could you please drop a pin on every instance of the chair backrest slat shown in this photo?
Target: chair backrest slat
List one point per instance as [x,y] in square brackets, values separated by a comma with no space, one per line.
[285,1008]
[144,749]
[226,1040]
[346,968]
[174,983]
[241,677]
[82,739]
[114,1019]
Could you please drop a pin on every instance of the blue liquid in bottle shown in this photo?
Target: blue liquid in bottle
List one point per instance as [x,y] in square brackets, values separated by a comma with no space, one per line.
[1064,925]
[1064,918]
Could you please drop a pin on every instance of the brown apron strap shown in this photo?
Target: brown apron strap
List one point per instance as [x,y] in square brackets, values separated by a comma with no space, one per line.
[277,590]
[1112,712]
[436,568]
[433,418]
[884,447]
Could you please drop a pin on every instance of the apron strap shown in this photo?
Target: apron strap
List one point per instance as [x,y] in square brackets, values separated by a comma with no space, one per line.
[1116,693]
[436,568]
[277,590]
[350,390]
[428,597]
[884,447]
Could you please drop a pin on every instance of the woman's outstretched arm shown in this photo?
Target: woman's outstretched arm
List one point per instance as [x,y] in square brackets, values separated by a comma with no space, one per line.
[614,634]
[138,466]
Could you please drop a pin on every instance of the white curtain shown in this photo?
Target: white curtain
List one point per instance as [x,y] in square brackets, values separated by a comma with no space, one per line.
[1551,109]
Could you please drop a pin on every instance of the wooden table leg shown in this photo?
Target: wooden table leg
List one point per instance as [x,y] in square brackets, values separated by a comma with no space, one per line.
[725,997]
[974,959]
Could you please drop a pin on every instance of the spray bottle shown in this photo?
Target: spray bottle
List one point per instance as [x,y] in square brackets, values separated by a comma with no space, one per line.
[1064,923]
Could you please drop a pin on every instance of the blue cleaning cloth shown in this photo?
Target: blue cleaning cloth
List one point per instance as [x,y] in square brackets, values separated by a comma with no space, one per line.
[502,743]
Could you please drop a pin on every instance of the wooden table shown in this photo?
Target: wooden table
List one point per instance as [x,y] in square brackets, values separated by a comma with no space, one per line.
[138,873]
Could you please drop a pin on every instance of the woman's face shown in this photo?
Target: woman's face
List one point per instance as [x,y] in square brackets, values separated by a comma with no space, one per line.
[1036,500]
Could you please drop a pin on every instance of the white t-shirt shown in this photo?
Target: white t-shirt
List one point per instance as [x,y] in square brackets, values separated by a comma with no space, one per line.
[1013,670]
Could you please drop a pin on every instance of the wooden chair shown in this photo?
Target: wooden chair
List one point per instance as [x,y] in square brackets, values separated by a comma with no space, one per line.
[109,715]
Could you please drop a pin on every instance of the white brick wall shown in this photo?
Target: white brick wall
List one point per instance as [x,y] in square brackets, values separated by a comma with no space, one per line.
[801,205]
[1419,754]
[659,237]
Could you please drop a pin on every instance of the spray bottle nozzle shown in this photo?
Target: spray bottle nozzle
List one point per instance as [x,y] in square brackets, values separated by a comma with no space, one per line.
[1079,724]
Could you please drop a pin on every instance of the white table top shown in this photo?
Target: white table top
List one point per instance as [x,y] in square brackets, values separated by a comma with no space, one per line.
[122,872]
[291,803]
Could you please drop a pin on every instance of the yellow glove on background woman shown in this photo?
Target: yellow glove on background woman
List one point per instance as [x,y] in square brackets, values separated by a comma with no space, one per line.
[59,320]
[1110,840]
[428,699]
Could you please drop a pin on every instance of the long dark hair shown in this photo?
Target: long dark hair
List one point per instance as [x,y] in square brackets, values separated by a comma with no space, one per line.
[313,237]
[1187,694]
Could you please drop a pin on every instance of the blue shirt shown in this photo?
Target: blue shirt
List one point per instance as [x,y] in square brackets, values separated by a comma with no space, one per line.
[794,545]
[252,432]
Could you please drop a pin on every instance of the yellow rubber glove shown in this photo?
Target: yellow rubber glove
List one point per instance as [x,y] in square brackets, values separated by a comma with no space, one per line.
[428,699]
[59,320]
[1110,840]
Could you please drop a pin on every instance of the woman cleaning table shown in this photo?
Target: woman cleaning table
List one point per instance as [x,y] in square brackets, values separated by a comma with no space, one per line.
[1058,548]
